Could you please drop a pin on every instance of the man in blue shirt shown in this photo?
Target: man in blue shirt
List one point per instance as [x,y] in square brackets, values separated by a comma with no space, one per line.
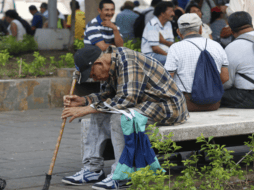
[125,20]
[100,31]
[37,21]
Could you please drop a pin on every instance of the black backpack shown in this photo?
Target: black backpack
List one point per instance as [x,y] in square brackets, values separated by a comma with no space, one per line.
[139,25]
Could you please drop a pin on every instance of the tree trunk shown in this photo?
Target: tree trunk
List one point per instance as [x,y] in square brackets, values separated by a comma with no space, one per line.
[73,14]
[91,7]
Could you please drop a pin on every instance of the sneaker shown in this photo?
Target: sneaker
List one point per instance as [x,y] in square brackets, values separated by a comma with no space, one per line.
[84,176]
[109,183]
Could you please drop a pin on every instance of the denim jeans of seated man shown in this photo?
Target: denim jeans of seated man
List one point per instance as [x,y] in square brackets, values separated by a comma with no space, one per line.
[159,57]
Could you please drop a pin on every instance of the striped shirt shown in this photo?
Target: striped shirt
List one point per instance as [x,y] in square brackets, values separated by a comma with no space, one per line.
[95,32]
[137,81]
[151,35]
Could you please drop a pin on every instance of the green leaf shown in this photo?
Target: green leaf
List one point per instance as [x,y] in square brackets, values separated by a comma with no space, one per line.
[210,138]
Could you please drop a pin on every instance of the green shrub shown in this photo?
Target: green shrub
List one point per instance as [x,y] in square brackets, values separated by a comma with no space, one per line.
[133,44]
[4,57]
[78,44]
[216,175]
[16,47]
[69,60]
[36,67]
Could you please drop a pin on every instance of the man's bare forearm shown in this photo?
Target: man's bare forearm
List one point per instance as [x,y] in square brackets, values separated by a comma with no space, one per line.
[157,49]
[165,42]
[118,38]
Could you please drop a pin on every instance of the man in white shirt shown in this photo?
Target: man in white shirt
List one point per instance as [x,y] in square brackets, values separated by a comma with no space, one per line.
[183,56]
[239,90]
[149,11]
[158,33]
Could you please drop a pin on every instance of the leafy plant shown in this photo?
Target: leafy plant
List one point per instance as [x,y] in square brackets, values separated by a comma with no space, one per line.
[220,169]
[148,179]
[69,60]
[16,47]
[142,178]
[4,57]
[78,44]
[36,67]
[61,61]
[216,175]
[133,44]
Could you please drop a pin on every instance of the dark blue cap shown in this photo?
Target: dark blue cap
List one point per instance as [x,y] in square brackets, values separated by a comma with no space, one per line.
[84,59]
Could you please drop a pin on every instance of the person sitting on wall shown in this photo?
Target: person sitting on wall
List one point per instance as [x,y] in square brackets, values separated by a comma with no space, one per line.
[183,57]
[158,34]
[44,10]
[239,90]
[194,8]
[37,21]
[132,81]
[15,27]
[100,31]
[125,20]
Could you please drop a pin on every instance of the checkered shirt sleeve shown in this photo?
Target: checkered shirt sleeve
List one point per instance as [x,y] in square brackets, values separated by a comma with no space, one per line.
[142,82]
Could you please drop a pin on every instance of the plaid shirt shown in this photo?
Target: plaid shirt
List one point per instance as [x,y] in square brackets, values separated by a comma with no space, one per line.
[141,82]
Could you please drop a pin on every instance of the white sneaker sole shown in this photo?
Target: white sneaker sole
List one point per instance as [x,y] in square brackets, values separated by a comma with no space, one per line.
[70,183]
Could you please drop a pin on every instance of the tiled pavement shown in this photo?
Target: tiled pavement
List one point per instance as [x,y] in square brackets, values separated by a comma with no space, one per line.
[27,142]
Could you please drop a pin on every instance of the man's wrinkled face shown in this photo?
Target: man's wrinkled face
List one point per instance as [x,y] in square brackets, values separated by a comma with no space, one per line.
[196,10]
[107,12]
[100,68]
[169,13]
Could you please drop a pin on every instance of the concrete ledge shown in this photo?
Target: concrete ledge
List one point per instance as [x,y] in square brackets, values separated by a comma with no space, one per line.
[65,72]
[24,94]
[221,123]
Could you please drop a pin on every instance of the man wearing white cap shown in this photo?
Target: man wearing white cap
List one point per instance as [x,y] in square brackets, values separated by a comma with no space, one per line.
[183,56]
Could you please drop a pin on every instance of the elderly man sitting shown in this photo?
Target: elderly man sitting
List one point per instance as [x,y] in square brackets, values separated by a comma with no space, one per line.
[239,90]
[132,80]
[183,57]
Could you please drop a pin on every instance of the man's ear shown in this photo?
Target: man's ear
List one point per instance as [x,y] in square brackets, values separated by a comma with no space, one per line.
[99,10]
[179,34]
[200,30]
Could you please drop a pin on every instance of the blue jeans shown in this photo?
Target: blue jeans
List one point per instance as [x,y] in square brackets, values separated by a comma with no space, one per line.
[159,57]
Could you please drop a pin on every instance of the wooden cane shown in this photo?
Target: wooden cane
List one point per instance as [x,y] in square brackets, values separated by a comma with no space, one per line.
[51,167]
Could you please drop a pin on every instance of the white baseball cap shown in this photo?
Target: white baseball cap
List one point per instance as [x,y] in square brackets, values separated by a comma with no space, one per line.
[189,20]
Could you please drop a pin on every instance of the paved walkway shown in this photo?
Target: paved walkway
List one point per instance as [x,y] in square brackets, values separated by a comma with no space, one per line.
[27,142]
